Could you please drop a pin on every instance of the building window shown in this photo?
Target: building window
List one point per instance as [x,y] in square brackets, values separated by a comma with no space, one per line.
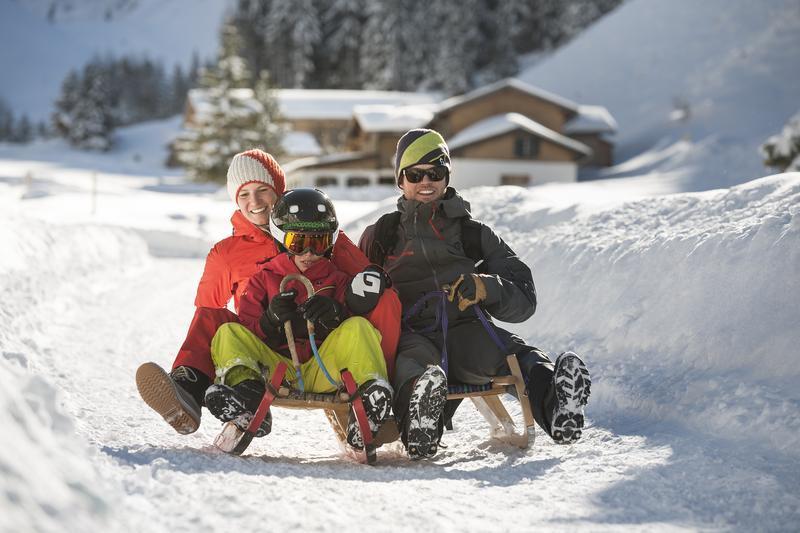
[326,181]
[520,181]
[357,181]
[526,146]
[386,180]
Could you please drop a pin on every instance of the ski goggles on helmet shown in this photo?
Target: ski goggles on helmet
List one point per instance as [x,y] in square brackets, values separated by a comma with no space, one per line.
[415,175]
[298,242]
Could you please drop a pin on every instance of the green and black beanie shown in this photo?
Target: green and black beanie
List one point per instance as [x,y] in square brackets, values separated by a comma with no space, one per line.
[420,146]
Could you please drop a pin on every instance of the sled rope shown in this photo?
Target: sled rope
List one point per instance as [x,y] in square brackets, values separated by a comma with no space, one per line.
[440,320]
[311,335]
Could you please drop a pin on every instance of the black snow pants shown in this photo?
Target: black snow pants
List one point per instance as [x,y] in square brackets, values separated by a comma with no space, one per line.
[473,358]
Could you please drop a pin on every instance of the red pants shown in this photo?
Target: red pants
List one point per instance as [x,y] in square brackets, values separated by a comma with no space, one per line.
[196,349]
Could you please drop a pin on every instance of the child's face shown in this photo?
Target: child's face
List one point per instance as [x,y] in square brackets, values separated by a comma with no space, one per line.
[305,260]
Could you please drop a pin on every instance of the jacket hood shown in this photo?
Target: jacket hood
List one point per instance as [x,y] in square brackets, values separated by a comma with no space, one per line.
[244,228]
[451,204]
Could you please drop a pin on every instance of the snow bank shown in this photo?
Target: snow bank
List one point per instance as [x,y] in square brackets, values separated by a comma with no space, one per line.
[687,307]
[50,478]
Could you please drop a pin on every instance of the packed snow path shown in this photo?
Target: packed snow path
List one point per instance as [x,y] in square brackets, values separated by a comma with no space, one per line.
[627,473]
[672,444]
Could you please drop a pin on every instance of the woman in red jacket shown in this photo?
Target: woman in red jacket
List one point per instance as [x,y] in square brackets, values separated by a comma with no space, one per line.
[305,222]
[255,181]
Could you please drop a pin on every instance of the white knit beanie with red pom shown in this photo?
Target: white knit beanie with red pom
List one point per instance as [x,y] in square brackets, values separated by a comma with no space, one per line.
[255,165]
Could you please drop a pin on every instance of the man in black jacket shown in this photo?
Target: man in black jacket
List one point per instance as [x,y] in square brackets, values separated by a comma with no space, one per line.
[450,271]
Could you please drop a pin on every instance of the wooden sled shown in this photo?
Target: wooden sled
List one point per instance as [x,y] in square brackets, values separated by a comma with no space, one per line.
[236,435]
[338,406]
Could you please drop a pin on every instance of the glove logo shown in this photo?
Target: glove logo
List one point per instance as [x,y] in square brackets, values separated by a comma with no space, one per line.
[366,282]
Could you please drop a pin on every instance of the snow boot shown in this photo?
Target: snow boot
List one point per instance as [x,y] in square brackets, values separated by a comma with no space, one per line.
[376,395]
[239,403]
[176,396]
[423,425]
[571,385]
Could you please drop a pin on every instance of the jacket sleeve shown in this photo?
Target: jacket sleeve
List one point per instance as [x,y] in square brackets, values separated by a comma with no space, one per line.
[366,239]
[216,286]
[254,301]
[510,292]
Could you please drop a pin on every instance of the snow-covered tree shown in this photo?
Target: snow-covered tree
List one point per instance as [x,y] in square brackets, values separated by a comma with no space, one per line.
[239,118]
[380,59]
[292,33]
[342,38]
[456,45]
[83,114]
[782,151]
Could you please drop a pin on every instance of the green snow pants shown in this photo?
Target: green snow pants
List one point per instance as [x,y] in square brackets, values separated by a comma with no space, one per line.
[355,345]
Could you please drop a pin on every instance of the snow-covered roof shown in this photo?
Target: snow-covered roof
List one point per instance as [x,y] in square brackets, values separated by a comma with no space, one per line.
[339,104]
[591,119]
[300,143]
[320,104]
[383,117]
[504,123]
[502,84]
[297,164]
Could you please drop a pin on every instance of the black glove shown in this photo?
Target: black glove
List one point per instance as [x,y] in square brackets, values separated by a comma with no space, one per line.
[322,310]
[282,308]
[365,290]
[466,289]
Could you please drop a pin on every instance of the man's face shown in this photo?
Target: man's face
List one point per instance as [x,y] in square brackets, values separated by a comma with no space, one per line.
[426,190]
[255,200]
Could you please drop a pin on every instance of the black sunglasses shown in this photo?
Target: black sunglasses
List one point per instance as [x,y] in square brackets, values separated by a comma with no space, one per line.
[415,175]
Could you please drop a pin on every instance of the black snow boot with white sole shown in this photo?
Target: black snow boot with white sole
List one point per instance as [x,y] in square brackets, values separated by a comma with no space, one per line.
[423,425]
[238,403]
[376,395]
[571,385]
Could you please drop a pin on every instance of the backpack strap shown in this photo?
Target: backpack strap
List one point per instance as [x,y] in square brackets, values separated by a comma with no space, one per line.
[384,237]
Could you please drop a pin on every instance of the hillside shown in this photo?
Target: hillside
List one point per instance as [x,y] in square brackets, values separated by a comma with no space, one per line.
[696,87]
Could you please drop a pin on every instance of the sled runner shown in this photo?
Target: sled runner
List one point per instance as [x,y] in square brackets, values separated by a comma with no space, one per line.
[486,399]
[237,434]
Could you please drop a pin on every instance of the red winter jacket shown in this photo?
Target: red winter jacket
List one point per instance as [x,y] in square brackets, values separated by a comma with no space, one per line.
[265,285]
[232,261]
[229,266]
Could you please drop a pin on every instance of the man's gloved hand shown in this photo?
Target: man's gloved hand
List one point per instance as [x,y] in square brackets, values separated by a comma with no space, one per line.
[469,289]
[322,310]
[365,290]
[282,308]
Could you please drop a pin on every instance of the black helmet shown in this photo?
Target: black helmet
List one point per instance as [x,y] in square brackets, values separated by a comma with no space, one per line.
[303,211]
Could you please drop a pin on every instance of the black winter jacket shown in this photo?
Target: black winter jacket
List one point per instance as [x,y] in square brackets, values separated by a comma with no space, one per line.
[429,254]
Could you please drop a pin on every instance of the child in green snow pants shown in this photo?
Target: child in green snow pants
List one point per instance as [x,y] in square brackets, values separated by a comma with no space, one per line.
[354,345]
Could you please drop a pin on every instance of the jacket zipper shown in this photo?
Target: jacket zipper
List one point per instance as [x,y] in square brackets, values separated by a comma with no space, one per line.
[437,286]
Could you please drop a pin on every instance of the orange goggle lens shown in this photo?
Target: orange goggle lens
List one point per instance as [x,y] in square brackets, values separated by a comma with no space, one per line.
[299,243]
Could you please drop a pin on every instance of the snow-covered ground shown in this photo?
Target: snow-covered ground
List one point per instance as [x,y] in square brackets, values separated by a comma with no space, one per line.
[685,307]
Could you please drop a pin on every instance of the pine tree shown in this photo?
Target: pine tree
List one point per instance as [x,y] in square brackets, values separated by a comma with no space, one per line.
[782,151]
[456,54]
[293,32]
[23,133]
[6,122]
[342,37]
[239,119]
[380,59]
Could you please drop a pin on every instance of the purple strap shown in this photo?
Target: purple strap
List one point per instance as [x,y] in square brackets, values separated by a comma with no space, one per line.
[441,317]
